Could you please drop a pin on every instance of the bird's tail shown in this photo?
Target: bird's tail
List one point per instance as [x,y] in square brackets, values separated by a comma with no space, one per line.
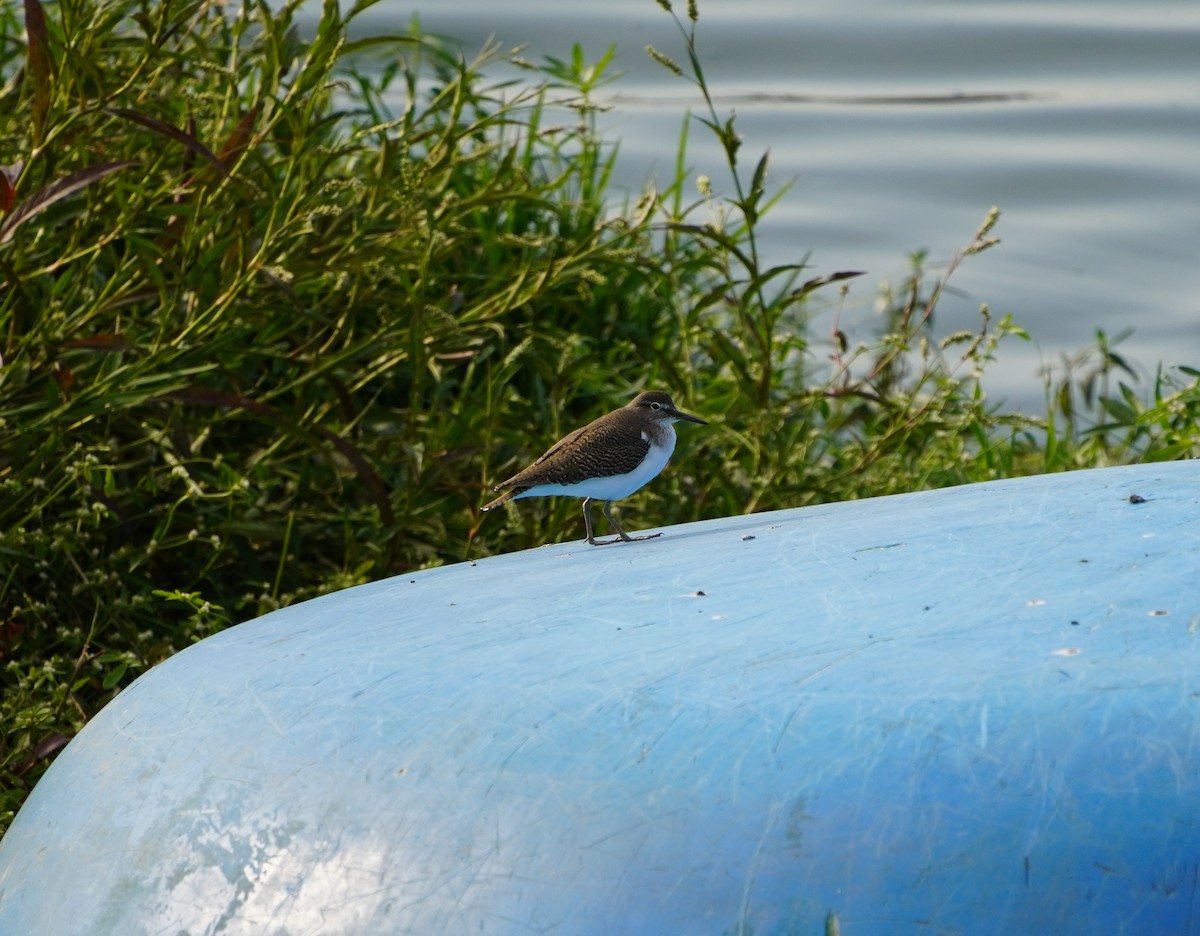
[503,498]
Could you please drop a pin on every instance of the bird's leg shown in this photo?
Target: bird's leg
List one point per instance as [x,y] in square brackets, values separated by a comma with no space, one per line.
[621,537]
[625,537]
[587,522]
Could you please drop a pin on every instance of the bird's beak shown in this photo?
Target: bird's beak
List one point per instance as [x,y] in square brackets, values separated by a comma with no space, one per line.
[693,419]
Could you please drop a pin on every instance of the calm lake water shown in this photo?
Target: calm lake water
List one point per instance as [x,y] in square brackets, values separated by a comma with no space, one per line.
[901,124]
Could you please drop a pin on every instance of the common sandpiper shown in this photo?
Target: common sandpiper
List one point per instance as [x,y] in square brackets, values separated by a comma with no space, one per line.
[606,460]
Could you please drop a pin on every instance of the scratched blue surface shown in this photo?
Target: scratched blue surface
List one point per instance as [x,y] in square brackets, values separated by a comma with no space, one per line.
[974,710]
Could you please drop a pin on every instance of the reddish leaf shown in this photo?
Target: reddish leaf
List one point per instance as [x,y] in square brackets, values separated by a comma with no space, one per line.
[63,376]
[158,126]
[8,194]
[9,632]
[38,62]
[233,146]
[57,190]
[47,747]
[110,343]
[239,138]
[8,184]
[51,744]
[202,396]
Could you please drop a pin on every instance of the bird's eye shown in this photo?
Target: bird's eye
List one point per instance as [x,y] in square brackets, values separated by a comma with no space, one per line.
[655,406]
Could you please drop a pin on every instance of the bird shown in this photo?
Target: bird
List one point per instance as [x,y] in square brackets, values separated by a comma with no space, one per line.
[606,460]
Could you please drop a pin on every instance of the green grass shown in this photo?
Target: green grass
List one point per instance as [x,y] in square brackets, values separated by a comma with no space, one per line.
[264,338]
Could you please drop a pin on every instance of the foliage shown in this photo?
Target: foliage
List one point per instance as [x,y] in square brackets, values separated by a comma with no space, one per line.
[266,332]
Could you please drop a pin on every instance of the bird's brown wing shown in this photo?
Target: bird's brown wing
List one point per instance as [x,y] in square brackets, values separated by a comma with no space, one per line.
[565,442]
[600,449]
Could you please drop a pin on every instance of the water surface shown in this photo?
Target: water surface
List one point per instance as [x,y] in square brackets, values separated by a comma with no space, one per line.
[901,124]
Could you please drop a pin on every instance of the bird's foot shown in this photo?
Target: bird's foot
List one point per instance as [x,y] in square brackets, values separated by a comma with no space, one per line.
[608,542]
[623,538]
